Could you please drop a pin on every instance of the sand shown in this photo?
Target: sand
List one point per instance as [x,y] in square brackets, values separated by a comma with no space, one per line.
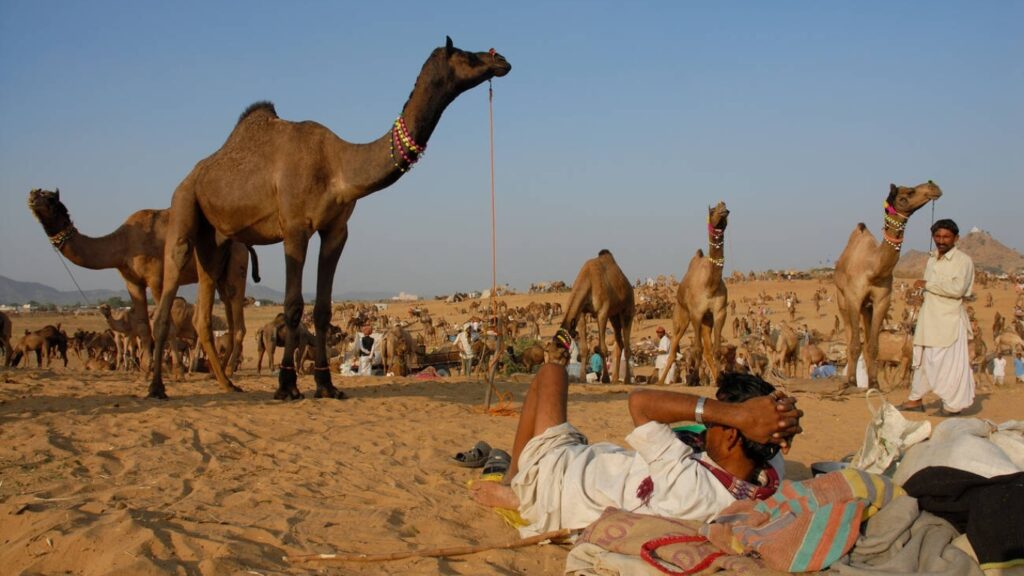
[96,479]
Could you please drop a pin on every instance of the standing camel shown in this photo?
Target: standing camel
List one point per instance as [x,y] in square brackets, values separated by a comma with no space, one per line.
[864,275]
[702,298]
[279,181]
[136,250]
[603,290]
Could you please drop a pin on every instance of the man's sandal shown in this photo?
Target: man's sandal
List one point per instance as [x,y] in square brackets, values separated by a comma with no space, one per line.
[908,407]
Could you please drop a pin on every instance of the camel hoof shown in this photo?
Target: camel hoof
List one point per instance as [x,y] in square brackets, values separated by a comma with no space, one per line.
[332,392]
[157,393]
[288,394]
[232,388]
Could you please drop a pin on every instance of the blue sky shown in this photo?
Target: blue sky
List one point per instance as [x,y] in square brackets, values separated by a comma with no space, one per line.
[618,125]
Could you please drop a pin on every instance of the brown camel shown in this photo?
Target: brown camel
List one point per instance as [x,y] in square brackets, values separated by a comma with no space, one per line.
[702,298]
[864,275]
[273,334]
[395,348]
[279,181]
[785,347]
[136,250]
[601,289]
[895,352]
[6,329]
[125,336]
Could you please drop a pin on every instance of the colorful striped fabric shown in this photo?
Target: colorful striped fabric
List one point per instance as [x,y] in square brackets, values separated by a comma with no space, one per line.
[804,526]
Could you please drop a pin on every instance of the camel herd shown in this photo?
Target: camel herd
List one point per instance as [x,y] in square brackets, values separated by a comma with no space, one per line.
[275,181]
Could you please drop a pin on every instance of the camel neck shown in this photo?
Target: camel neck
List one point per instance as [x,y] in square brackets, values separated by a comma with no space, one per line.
[93,253]
[716,250]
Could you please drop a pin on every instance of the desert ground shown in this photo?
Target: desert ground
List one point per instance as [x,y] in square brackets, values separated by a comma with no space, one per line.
[97,479]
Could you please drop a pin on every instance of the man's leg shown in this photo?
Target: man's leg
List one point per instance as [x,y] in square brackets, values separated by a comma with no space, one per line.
[544,407]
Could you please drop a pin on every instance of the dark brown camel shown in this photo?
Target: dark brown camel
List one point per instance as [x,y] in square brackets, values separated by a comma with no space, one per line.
[136,250]
[602,290]
[279,181]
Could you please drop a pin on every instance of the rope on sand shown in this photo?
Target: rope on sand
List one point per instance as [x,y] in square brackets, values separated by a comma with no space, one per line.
[555,536]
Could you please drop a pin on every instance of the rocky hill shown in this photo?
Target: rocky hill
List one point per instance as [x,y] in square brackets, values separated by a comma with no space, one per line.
[988,254]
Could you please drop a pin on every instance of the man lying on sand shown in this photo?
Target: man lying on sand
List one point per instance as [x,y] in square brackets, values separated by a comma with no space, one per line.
[560,481]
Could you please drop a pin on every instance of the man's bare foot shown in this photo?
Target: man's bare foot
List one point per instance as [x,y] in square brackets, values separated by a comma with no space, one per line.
[494,495]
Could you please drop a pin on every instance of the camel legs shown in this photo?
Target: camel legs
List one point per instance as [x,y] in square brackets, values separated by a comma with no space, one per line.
[622,326]
[602,344]
[210,262]
[851,315]
[295,244]
[139,320]
[181,236]
[232,294]
[874,324]
[331,245]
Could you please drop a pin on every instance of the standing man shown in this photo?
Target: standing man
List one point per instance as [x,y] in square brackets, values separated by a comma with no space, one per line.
[365,344]
[941,359]
[662,362]
[464,343]
[999,369]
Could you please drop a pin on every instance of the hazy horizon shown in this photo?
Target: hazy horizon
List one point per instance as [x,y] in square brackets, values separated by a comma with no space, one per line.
[616,128]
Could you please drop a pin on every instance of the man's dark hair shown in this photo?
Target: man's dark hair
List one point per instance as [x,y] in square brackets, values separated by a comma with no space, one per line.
[735,387]
[946,224]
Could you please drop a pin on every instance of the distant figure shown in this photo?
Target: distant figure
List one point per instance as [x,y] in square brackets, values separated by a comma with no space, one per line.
[595,366]
[464,344]
[366,351]
[999,370]
[941,357]
[662,363]
[1018,366]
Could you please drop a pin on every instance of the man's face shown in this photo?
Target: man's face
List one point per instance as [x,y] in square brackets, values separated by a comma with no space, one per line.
[944,240]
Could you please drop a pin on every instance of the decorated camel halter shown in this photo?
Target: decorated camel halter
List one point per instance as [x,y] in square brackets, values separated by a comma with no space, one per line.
[407,148]
[716,240]
[60,238]
[892,220]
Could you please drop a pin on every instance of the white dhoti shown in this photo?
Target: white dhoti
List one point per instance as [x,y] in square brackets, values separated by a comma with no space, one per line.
[366,365]
[946,371]
[661,364]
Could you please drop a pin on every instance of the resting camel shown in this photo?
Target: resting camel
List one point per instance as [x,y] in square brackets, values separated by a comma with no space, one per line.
[702,298]
[864,275]
[6,329]
[136,250]
[279,181]
[603,290]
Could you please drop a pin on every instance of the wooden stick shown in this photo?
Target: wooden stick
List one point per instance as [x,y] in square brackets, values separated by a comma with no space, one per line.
[554,536]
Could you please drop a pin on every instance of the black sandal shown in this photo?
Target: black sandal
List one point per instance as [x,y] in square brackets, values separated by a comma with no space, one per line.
[498,462]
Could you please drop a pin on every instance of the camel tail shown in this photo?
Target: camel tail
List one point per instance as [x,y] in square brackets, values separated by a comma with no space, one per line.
[255,264]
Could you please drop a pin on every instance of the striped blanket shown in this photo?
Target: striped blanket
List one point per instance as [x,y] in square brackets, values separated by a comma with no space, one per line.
[804,526]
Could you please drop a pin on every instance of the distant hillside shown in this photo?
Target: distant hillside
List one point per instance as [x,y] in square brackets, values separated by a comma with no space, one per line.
[988,254]
[16,292]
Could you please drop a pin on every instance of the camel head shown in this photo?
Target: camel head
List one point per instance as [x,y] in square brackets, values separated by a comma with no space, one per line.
[906,200]
[452,71]
[105,310]
[718,216]
[49,210]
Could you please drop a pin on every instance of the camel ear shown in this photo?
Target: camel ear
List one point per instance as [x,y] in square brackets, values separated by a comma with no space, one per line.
[448,46]
[56,193]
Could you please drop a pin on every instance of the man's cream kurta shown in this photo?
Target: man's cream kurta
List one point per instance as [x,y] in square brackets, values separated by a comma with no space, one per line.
[948,280]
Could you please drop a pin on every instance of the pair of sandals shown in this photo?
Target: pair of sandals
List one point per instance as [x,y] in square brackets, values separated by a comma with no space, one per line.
[908,407]
[494,461]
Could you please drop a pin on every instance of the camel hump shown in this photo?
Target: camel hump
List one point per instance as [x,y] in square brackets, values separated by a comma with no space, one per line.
[264,106]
